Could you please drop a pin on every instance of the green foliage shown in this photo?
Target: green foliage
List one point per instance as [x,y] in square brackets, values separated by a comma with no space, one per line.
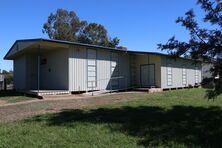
[171,119]
[8,76]
[65,25]
[204,43]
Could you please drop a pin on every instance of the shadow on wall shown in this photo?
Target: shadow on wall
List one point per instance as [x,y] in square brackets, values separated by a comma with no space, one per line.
[190,126]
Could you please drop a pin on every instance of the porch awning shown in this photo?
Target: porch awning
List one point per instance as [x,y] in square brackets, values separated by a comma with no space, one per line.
[21,47]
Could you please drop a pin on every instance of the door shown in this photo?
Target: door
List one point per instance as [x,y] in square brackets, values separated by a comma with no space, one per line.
[147,75]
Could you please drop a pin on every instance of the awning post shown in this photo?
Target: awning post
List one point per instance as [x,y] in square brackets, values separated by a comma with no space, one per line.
[38,69]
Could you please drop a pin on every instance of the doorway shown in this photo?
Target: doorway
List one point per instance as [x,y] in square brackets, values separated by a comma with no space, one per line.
[147,75]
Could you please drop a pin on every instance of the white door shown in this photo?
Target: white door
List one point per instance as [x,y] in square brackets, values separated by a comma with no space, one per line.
[147,75]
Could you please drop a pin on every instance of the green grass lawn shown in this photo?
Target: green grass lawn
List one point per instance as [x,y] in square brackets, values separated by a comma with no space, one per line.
[181,118]
[13,97]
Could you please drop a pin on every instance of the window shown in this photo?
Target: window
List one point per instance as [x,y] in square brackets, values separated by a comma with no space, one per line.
[196,75]
[184,76]
[91,68]
[169,75]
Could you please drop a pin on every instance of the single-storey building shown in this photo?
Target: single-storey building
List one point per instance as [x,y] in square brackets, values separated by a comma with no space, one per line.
[43,64]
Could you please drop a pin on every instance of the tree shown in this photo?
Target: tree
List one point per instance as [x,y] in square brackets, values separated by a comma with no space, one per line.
[65,25]
[94,34]
[8,76]
[97,34]
[204,43]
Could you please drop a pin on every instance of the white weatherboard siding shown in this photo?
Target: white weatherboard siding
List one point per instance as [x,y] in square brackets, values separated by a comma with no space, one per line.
[77,69]
[106,67]
[54,73]
[20,73]
[182,70]
[124,70]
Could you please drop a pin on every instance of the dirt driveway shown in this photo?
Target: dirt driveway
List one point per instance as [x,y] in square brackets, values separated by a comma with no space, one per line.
[27,109]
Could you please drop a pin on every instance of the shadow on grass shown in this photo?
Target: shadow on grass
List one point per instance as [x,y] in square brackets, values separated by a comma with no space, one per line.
[189,126]
[10,93]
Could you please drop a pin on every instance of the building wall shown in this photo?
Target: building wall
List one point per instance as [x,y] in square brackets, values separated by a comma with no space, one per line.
[177,65]
[78,69]
[206,73]
[54,70]
[20,73]
[31,71]
[148,59]
[66,69]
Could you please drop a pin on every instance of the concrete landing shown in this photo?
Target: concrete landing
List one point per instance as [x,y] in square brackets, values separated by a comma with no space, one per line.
[149,90]
[42,93]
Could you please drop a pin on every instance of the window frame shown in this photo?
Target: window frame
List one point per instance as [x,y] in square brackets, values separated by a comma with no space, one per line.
[90,58]
[196,76]
[184,75]
[169,67]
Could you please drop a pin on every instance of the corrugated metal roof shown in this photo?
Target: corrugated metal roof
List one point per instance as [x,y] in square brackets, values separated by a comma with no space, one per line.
[88,45]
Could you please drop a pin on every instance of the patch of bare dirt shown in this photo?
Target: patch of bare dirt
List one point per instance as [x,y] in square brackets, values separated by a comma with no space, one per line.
[3,102]
[20,111]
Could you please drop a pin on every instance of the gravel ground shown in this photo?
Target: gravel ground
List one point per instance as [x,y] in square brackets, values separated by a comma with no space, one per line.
[18,111]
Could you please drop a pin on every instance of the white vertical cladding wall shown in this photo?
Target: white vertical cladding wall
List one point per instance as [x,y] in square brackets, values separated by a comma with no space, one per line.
[112,64]
[20,73]
[124,70]
[133,70]
[77,69]
[114,71]
[103,68]
[177,72]
[54,73]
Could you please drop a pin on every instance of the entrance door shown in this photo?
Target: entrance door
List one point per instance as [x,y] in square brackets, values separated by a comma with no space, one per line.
[147,75]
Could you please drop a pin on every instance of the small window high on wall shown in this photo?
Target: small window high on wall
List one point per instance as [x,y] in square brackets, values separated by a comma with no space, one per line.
[91,68]
[196,75]
[184,76]
[169,75]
